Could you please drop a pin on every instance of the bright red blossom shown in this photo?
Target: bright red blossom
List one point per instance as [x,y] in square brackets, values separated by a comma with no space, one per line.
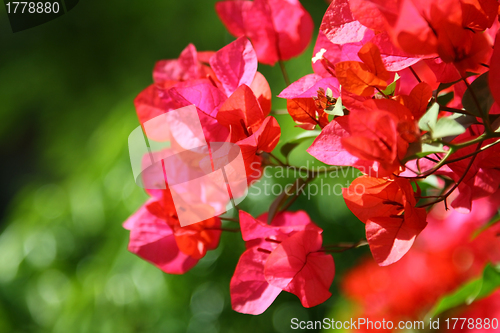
[160,240]
[189,66]
[298,266]
[328,148]
[387,207]
[381,131]
[443,257]
[306,113]
[193,240]
[340,26]
[481,179]
[186,81]
[249,127]
[278,29]
[361,78]
[495,71]
[377,67]
[285,255]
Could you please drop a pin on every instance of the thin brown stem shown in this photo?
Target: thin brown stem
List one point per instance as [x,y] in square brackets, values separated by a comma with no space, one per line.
[435,168]
[454,187]
[284,72]
[473,153]
[278,160]
[382,93]
[297,189]
[431,159]
[415,74]
[454,110]
[343,246]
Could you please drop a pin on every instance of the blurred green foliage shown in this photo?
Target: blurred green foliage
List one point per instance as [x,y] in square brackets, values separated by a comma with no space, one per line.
[67,109]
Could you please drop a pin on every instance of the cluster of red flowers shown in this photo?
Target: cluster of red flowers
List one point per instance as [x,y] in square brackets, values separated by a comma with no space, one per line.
[407,91]
[432,269]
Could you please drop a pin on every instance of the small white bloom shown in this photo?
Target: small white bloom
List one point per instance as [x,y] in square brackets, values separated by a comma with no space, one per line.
[318,56]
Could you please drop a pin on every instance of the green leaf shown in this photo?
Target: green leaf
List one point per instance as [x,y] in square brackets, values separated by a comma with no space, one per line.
[444,99]
[337,110]
[429,119]
[447,126]
[428,149]
[470,292]
[481,90]
[443,86]
[431,181]
[411,153]
[392,87]
[464,120]
[419,150]
[491,282]
[495,122]
[292,144]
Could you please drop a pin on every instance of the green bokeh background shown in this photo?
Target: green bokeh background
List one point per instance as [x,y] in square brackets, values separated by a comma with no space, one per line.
[67,90]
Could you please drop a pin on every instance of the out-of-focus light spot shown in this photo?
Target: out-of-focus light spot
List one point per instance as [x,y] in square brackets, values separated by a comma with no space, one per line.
[173,325]
[86,206]
[120,289]
[114,181]
[40,248]
[65,241]
[127,190]
[282,316]
[42,314]
[149,281]
[11,253]
[205,265]
[53,286]
[202,323]
[462,259]
[50,201]
[207,300]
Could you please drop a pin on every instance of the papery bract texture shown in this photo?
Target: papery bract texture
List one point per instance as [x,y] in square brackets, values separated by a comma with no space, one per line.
[298,266]
[284,255]
[152,239]
[278,29]
[387,207]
